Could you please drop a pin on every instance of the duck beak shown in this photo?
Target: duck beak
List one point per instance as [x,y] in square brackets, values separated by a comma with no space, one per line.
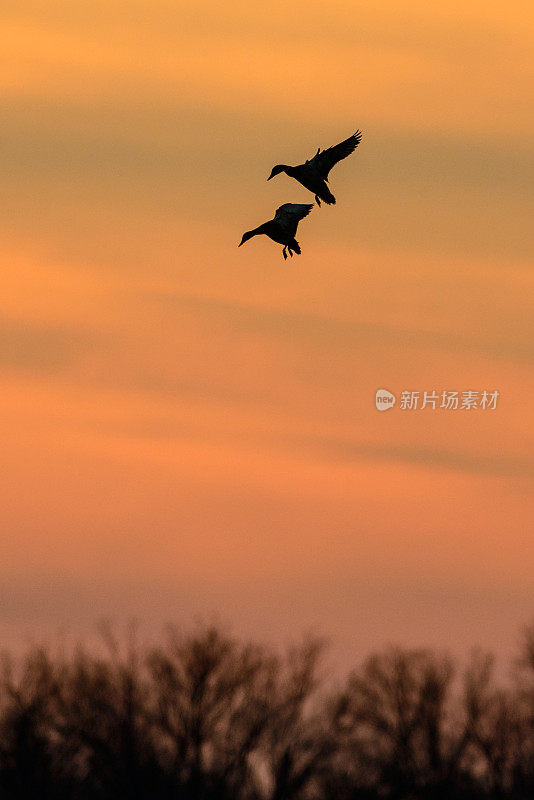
[269,178]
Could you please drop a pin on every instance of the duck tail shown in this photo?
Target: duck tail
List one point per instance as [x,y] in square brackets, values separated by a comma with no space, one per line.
[326,196]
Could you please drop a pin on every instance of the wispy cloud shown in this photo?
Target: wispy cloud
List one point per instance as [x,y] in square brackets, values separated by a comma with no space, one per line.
[42,349]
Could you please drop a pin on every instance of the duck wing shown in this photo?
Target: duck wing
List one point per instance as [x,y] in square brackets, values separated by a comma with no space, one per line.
[289,215]
[323,161]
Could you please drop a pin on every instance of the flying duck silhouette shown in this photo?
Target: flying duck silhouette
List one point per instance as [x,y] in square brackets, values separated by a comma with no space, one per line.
[283,227]
[313,174]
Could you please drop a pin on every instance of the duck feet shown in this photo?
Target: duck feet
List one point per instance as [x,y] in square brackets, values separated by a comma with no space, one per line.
[285,254]
[290,252]
[317,201]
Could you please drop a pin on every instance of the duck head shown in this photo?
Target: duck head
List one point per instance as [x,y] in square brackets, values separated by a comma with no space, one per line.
[246,236]
[277,170]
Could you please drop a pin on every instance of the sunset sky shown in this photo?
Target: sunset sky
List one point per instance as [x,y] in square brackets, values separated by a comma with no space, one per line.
[189,428]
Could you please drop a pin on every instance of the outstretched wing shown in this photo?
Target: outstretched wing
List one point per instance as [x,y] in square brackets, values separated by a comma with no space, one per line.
[289,215]
[325,160]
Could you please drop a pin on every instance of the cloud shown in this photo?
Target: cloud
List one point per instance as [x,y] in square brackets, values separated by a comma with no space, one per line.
[42,349]
[326,333]
[97,176]
[174,141]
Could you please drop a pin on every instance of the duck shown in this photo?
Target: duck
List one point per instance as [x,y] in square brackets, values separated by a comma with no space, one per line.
[313,174]
[282,228]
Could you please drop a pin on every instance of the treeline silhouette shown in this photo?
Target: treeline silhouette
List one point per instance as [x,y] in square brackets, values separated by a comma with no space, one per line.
[204,716]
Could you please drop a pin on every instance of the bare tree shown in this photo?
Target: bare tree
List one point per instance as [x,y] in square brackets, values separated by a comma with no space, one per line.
[103,702]
[495,729]
[210,707]
[204,716]
[34,757]
[398,725]
[299,742]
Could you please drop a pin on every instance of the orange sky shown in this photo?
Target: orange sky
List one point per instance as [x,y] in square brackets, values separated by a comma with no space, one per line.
[189,428]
